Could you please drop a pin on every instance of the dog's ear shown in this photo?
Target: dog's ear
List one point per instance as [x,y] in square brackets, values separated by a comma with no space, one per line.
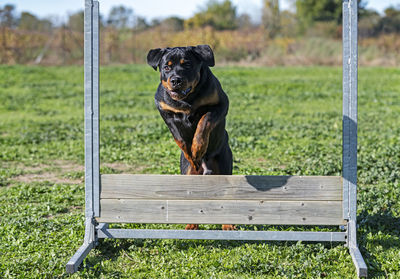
[205,54]
[154,57]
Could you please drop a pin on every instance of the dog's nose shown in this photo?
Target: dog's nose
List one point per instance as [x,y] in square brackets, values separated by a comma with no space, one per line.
[176,81]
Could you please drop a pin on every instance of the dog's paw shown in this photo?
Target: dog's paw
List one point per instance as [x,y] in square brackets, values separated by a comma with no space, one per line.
[192,227]
[228,227]
[207,172]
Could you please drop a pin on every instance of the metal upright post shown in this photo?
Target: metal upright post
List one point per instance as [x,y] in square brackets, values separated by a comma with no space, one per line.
[92,174]
[96,107]
[350,65]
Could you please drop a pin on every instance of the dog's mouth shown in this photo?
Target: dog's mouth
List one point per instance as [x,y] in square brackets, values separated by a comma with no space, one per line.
[180,94]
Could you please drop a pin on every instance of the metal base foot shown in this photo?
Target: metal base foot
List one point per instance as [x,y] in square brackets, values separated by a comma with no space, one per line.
[359,262]
[77,259]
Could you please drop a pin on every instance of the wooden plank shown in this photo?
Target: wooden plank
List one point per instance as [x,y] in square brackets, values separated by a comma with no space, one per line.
[221,212]
[221,187]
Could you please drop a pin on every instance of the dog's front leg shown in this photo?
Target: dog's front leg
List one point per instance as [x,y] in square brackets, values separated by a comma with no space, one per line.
[202,135]
[201,138]
[178,137]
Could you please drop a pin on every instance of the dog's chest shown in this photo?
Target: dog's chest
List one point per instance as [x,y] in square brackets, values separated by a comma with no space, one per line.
[187,121]
[186,124]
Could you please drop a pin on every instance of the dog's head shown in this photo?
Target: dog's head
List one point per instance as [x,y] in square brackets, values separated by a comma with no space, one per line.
[180,67]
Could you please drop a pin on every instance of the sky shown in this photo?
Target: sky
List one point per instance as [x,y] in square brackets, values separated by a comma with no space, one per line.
[154,8]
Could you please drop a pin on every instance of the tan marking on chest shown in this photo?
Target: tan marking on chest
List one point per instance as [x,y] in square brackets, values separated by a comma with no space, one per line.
[164,106]
[209,100]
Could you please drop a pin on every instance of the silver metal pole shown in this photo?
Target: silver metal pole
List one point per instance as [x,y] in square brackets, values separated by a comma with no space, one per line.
[88,103]
[350,110]
[350,75]
[91,100]
[91,61]
[96,109]
[105,232]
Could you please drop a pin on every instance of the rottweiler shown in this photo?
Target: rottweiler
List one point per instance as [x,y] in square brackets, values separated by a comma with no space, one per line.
[192,103]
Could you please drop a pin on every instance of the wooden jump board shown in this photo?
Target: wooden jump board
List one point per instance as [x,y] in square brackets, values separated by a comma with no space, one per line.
[220,199]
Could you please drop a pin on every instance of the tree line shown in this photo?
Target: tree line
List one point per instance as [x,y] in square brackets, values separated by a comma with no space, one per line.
[26,38]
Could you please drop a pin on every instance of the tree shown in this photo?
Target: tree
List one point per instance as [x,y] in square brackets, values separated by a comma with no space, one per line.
[141,23]
[120,17]
[173,24]
[289,24]
[220,15]
[368,24]
[244,21]
[7,16]
[310,11]
[390,23]
[76,21]
[7,20]
[271,17]
[28,21]
[155,22]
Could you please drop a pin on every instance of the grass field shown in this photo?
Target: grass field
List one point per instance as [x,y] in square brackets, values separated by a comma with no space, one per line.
[281,121]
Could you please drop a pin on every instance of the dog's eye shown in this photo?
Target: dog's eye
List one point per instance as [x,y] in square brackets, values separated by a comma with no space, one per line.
[167,68]
[187,64]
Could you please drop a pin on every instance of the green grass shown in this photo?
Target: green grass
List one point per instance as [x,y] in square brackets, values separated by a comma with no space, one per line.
[281,121]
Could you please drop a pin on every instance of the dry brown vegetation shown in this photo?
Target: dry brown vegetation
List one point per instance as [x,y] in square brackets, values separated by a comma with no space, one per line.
[242,46]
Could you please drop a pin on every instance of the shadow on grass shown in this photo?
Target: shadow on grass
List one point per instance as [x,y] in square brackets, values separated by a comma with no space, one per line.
[105,251]
[385,229]
[113,250]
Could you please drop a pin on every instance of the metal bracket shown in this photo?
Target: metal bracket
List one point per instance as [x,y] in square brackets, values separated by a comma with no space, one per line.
[88,244]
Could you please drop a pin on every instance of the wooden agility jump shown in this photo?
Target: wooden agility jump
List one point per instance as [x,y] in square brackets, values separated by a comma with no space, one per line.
[272,200]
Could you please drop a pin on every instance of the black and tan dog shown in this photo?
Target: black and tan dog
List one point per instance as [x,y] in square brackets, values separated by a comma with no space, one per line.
[193,105]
